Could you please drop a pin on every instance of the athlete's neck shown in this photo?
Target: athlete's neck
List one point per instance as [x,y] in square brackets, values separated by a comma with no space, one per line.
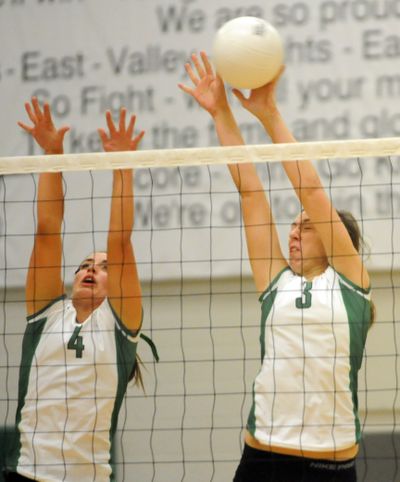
[311,271]
[85,307]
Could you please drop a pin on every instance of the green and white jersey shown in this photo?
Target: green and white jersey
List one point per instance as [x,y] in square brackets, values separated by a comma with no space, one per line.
[73,378]
[312,341]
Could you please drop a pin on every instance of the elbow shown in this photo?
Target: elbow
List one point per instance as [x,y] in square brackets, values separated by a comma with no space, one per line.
[310,195]
[48,225]
[120,233]
[119,241]
[252,193]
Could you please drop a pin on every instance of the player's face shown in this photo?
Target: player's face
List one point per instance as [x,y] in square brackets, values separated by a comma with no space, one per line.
[91,278]
[306,251]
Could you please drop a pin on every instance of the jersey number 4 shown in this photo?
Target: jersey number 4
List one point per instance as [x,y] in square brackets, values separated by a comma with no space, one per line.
[76,342]
[304,301]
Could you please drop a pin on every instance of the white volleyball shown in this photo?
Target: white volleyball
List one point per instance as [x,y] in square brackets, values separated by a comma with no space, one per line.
[247,52]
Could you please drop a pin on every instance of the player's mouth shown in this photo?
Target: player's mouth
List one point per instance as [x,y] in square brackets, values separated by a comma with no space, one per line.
[88,280]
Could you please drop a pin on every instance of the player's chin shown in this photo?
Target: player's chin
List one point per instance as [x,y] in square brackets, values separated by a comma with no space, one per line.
[295,257]
[296,265]
[88,292]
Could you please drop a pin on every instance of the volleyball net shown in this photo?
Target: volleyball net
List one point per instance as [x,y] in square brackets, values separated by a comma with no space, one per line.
[200,303]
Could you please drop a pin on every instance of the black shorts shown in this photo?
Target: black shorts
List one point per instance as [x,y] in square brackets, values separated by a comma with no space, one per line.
[15,477]
[261,466]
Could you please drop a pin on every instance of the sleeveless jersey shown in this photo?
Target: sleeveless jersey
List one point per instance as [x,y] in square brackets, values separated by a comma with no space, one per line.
[312,339]
[73,378]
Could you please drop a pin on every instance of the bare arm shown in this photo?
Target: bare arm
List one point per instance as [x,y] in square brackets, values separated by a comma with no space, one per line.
[265,253]
[304,178]
[44,281]
[124,290]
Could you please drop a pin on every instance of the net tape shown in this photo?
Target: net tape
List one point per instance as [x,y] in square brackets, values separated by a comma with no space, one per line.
[202,156]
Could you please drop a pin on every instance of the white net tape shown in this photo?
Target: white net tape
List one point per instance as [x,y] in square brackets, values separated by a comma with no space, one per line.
[202,156]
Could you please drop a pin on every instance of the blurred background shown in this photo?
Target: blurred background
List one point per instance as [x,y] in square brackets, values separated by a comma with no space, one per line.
[342,81]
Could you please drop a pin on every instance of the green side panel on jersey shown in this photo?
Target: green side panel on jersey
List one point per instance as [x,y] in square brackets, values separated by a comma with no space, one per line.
[265,311]
[7,439]
[359,318]
[126,358]
[30,342]
[266,308]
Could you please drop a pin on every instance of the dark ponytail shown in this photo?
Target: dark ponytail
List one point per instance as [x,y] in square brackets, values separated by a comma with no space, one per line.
[136,373]
[353,229]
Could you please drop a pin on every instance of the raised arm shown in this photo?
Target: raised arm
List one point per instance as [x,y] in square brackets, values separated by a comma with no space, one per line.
[124,291]
[44,281]
[265,253]
[341,253]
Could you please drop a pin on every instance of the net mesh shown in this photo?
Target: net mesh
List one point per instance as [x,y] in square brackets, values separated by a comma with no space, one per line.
[200,304]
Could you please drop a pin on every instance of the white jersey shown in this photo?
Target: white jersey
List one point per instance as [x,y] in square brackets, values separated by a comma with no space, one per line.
[73,378]
[312,341]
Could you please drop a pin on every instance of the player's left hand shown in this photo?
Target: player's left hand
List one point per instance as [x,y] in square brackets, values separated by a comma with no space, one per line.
[120,138]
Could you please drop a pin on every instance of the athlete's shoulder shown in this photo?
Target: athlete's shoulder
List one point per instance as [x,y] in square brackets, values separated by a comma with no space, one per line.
[52,308]
[349,285]
[281,279]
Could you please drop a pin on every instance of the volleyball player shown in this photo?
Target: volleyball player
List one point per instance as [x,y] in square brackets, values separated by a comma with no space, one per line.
[79,354]
[316,310]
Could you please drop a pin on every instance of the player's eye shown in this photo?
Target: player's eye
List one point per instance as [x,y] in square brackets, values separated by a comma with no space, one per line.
[82,266]
[87,265]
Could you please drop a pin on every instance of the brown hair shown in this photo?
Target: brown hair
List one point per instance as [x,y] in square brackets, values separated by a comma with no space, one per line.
[353,229]
[136,373]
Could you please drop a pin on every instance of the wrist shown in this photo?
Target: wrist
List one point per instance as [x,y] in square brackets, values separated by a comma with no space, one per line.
[222,114]
[269,115]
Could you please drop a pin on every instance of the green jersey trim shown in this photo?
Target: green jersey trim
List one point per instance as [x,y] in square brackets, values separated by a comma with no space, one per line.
[30,342]
[121,325]
[272,283]
[126,359]
[358,310]
[364,291]
[267,298]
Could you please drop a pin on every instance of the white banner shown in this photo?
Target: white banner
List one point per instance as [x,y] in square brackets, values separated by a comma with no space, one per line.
[342,81]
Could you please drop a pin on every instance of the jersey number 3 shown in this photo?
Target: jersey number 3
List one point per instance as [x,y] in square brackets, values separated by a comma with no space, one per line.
[304,301]
[76,342]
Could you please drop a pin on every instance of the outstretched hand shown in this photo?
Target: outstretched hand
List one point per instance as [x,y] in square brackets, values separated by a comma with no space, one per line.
[261,101]
[121,138]
[208,90]
[49,138]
